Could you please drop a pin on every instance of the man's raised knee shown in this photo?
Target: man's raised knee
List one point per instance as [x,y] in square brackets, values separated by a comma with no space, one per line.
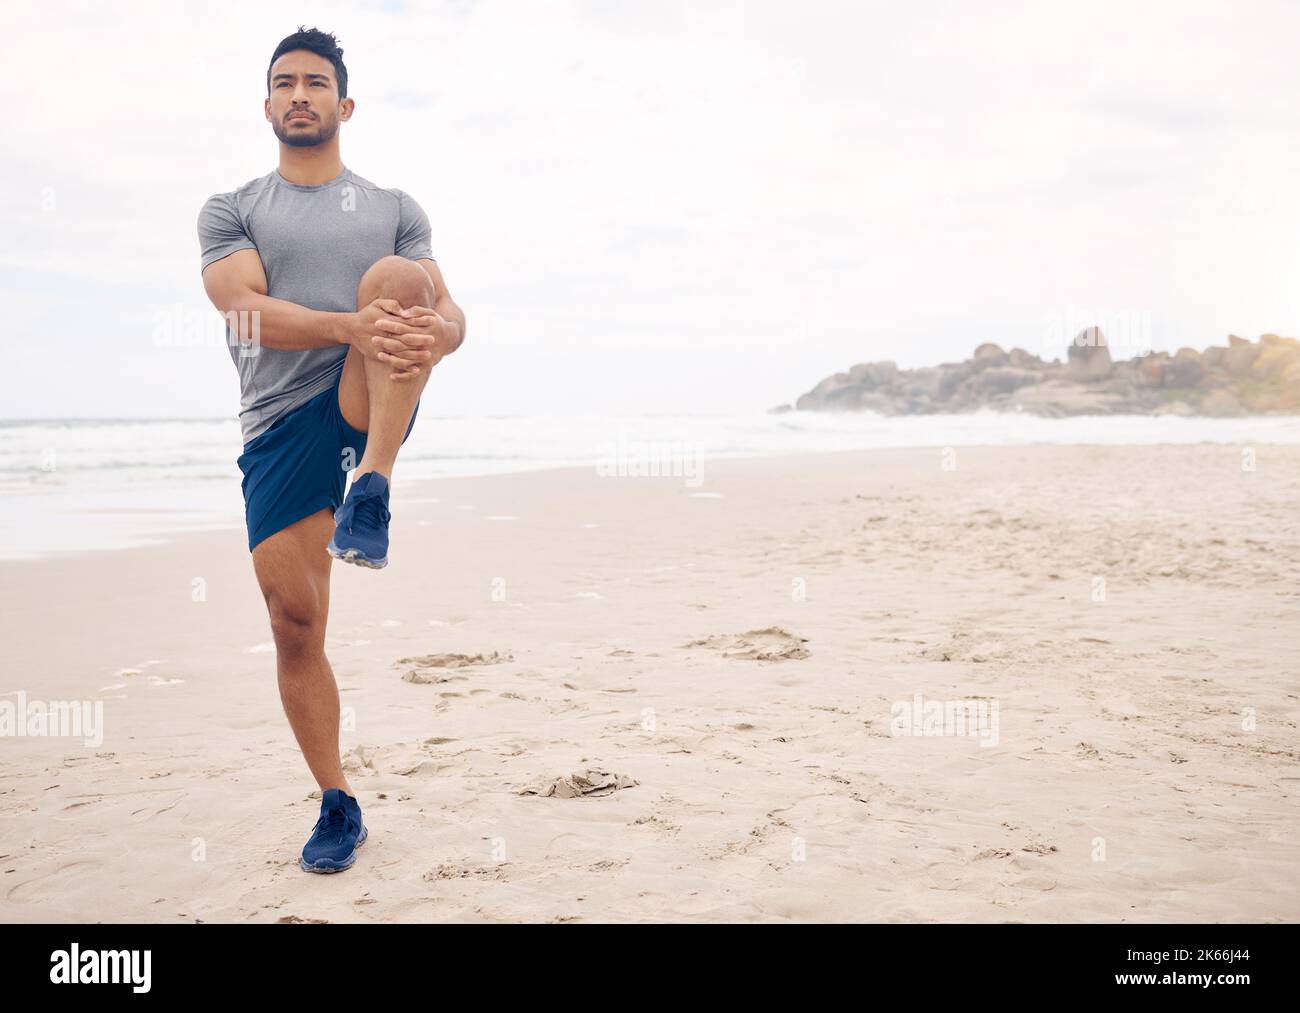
[396,278]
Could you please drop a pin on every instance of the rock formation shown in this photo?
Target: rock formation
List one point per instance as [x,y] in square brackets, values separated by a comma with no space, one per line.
[1245,378]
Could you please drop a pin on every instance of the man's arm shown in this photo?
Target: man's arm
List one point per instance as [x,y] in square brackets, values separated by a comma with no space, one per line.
[237,284]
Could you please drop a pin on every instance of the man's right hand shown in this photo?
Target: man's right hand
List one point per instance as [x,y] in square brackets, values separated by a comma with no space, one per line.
[382,318]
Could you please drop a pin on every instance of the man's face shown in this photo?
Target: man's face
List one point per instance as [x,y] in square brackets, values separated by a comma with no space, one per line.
[304,108]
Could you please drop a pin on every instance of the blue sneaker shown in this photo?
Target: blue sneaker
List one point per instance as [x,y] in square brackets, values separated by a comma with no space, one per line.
[337,834]
[362,533]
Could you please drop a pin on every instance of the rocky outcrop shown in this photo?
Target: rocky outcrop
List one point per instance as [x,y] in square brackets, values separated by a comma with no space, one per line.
[1244,378]
[1089,356]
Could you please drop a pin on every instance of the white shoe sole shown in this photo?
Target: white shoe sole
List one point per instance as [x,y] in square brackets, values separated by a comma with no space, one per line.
[354,557]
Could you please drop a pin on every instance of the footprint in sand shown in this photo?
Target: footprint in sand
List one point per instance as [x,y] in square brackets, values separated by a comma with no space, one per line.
[589,783]
[1039,849]
[959,647]
[450,871]
[770,644]
[34,887]
[431,668]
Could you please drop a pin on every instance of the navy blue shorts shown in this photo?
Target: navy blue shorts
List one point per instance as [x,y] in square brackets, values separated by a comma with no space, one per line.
[298,466]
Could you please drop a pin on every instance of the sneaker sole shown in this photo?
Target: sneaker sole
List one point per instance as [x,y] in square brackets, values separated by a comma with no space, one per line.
[326,865]
[355,557]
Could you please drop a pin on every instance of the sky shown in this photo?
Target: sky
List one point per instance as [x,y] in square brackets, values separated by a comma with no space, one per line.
[666,207]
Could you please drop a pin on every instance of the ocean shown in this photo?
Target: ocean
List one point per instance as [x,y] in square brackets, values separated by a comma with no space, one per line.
[71,485]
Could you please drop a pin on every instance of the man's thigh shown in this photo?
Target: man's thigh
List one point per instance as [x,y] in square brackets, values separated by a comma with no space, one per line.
[293,571]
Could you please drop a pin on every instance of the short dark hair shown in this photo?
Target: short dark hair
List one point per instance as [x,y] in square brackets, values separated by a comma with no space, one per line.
[314,41]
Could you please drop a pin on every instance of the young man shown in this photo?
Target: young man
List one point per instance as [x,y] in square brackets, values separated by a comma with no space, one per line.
[336,313]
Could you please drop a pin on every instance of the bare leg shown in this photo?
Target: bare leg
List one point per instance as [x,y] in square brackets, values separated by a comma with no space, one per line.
[369,399]
[293,571]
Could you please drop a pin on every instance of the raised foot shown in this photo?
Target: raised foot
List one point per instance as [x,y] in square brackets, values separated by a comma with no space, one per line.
[355,557]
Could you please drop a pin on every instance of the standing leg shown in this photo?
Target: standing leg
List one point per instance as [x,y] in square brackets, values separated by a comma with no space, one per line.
[294,575]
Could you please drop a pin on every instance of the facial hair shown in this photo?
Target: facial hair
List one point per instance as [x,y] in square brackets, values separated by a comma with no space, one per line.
[324,132]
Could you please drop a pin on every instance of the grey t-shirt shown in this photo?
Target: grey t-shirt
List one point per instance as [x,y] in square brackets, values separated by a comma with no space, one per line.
[315,243]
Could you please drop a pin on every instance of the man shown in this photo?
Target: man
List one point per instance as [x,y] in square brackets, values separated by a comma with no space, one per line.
[336,314]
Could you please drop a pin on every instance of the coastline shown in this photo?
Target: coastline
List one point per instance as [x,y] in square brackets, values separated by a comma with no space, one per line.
[75,485]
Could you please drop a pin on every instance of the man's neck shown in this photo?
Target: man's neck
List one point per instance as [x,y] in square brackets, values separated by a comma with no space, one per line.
[311,166]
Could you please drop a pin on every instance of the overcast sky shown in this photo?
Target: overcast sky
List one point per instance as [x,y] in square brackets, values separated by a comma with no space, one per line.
[668,206]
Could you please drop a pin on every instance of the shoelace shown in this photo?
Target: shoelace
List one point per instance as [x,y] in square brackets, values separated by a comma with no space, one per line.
[369,508]
[336,820]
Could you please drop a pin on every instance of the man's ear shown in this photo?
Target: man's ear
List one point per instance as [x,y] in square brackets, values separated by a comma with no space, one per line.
[266,109]
[345,109]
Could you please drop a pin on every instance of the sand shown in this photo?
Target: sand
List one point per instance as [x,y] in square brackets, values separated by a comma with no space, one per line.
[629,699]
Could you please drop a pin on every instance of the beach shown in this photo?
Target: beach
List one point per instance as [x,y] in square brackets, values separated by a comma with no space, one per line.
[1013,683]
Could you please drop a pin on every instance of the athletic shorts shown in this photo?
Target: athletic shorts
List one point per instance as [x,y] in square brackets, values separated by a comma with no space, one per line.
[298,466]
